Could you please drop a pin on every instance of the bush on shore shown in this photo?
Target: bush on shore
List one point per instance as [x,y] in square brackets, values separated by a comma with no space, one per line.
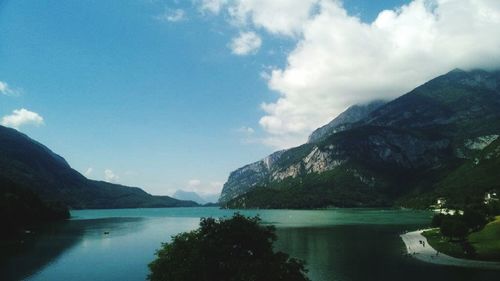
[234,249]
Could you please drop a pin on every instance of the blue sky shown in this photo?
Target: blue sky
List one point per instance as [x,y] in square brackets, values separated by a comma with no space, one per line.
[155,91]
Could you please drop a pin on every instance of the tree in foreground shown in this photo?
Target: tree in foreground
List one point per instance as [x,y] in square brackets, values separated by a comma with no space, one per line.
[234,249]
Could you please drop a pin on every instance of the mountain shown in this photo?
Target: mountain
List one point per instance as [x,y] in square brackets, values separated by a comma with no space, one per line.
[246,178]
[189,195]
[30,165]
[476,176]
[406,152]
[203,199]
[343,121]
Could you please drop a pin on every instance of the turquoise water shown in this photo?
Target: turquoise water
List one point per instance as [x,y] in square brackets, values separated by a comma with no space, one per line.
[338,244]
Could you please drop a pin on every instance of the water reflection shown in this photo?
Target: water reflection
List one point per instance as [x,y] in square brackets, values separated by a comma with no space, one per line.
[364,252]
[110,249]
[357,245]
[41,248]
[36,250]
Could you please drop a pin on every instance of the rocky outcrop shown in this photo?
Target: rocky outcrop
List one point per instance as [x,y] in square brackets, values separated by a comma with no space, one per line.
[249,176]
[480,143]
[243,179]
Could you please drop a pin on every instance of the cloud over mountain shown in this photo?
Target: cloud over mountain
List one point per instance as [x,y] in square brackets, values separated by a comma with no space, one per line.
[110,176]
[21,117]
[339,60]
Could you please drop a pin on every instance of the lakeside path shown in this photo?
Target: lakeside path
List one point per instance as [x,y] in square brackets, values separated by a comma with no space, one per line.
[426,253]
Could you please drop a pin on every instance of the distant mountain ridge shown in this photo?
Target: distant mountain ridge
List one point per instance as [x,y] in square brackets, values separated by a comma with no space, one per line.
[400,151]
[189,195]
[31,165]
[201,199]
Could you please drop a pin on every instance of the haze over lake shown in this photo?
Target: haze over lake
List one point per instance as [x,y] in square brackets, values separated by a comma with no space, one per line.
[338,244]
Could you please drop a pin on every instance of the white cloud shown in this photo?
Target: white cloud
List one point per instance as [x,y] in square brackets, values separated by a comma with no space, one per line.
[88,172]
[172,15]
[6,90]
[212,6]
[246,43]
[284,17]
[110,176]
[193,183]
[203,188]
[339,60]
[21,117]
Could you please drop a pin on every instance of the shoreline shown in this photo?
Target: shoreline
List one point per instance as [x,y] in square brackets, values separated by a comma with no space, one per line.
[424,252]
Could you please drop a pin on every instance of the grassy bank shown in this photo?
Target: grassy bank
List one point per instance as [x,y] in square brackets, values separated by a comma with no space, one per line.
[443,244]
[486,242]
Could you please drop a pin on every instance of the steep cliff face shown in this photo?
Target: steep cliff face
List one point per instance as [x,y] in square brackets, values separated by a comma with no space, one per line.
[393,149]
[249,176]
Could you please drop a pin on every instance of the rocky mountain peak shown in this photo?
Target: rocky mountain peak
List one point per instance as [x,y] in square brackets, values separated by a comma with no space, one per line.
[375,154]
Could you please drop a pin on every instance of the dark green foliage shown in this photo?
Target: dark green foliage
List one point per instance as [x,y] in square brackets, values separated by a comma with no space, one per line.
[333,188]
[460,230]
[437,219]
[475,219]
[21,208]
[453,227]
[468,183]
[235,249]
[494,208]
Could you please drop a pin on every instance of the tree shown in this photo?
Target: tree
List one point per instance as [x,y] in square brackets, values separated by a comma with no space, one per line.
[475,219]
[460,230]
[494,208]
[235,249]
[437,219]
[453,227]
[446,228]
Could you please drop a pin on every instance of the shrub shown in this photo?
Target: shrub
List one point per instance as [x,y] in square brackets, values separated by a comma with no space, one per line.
[235,249]
[453,227]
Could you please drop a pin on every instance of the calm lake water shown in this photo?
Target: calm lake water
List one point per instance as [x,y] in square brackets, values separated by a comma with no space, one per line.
[339,245]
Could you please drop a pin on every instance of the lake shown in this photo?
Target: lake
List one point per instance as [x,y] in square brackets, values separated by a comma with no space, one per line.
[337,244]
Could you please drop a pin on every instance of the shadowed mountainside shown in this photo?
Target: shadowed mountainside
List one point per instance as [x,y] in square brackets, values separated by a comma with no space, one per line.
[32,166]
